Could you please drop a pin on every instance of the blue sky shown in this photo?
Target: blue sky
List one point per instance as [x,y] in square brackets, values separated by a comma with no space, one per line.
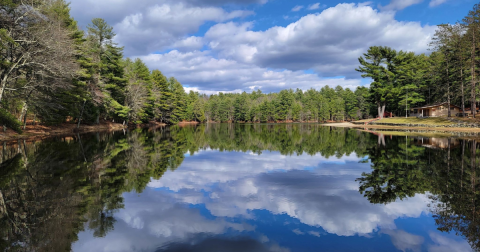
[274,12]
[245,45]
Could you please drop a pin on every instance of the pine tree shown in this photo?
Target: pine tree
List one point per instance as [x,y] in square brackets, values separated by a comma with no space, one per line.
[179,101]
[377,64]
[241,107]
[161,97]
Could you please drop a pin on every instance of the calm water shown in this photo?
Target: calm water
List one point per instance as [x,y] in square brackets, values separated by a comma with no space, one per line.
[221,188]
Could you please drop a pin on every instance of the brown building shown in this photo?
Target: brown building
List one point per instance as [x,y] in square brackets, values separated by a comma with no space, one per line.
[434,110]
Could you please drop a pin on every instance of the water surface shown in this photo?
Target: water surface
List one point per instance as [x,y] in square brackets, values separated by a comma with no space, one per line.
[225,187]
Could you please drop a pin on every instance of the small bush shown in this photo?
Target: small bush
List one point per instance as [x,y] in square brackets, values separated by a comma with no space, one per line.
[10,121]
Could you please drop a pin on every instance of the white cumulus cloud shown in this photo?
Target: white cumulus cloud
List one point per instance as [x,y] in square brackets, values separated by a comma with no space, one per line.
[233,56]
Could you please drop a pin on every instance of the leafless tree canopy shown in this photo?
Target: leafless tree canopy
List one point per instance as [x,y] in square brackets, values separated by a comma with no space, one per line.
[37,54]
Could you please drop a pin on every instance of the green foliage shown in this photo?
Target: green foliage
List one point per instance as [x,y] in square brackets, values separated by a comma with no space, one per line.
[114,88]
[241,107]
[378,64]
[9,169]
[178,102]
[139,93]
[101,31]
[10,121]
[161,96]
[287,105]
[83,179]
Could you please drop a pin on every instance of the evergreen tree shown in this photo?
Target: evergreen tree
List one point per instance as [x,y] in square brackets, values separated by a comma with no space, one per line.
[161,97]
[377,64]
[179,99]
[241,107]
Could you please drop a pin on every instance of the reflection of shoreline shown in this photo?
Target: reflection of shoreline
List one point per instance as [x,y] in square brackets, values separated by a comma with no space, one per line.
[410,129]
[437,143]
[42,132]
[447,167]
[307,174]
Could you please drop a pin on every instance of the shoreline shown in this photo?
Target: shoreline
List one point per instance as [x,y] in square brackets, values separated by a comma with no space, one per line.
[436,129]
[40,132]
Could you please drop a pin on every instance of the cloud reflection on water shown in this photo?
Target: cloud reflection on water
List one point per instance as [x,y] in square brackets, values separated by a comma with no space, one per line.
[325,195]
[230,187]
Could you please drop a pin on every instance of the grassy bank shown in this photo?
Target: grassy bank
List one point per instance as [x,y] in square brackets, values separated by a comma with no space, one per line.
[437,125]
[434,121]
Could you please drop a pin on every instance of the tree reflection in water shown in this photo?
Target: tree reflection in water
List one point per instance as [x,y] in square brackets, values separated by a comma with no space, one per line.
[53,189]
[446,169]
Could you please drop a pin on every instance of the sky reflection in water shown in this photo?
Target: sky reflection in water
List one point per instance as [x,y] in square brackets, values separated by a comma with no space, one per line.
[242,201]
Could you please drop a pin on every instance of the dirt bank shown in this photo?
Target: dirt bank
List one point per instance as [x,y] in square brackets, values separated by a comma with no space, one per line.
[187,123]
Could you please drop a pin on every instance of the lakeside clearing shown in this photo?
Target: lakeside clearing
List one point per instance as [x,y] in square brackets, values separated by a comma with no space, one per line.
[433,121]
[419,126]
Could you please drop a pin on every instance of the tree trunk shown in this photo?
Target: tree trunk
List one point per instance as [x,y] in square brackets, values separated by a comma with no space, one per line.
[448,162]
[448,89]
[406,105]
[25,120]
[463,93]
[473,163]
[382,111]
[23,112]
[463,158]
[81,115]
[474,107]
[3,84]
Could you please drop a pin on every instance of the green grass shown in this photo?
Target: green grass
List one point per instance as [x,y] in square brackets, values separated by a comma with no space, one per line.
[364,120]
[413,120]
[414,134]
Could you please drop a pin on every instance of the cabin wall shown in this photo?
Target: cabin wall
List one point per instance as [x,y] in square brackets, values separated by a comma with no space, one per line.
[443,111]
[435,112]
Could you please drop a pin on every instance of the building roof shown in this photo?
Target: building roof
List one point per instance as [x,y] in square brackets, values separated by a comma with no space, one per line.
[436,105]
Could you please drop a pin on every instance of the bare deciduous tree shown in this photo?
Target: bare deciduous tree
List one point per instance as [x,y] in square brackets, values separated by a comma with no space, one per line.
[37,54]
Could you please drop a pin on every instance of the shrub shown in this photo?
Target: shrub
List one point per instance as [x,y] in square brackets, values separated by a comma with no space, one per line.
[10,121]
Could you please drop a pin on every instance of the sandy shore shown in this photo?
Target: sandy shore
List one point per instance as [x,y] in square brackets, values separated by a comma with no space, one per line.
[344,124]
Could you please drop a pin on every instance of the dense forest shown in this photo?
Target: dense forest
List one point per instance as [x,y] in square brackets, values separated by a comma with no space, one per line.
[402,80]
[52,190]
[52,72]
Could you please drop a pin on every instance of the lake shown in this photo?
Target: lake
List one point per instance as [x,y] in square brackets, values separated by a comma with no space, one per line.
[226,187]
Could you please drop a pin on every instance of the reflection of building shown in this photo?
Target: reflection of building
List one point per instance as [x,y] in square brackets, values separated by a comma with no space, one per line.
[436,143]
[434,110]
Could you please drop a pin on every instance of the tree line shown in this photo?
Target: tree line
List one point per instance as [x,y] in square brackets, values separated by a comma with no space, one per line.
[53,72]
[402,80]
[56,72]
